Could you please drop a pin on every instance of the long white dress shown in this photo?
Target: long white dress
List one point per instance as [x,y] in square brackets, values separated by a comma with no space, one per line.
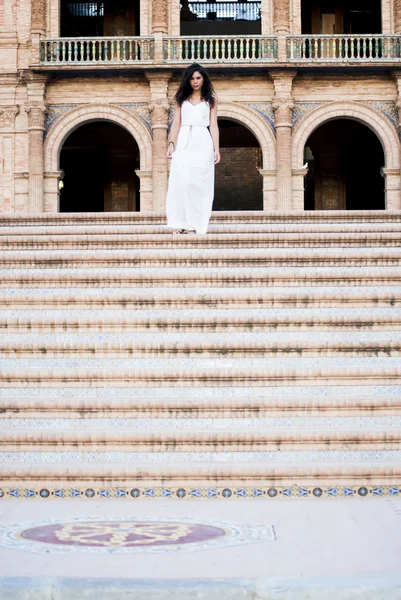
[191,182]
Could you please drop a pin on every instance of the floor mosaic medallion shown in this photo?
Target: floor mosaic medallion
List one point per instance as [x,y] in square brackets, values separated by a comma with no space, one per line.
[136,534]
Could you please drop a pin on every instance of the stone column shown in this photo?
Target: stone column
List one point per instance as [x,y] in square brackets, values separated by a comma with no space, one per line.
[283,105]
[393,192]
[36,117]
[159,107]
[281,26]
[159,26]
[298,188]
[38,27]
[145,190]
[269,189]
[397,16]
[51,191]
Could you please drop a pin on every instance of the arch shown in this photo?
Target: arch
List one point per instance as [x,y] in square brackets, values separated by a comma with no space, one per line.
[96,112]
[257,125]
[342,110]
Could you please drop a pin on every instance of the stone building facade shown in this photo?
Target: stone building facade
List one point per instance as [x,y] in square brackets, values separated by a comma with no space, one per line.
[309,98]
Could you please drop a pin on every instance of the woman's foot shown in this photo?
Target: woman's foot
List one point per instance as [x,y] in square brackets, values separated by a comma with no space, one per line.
[189,231]
[177,231]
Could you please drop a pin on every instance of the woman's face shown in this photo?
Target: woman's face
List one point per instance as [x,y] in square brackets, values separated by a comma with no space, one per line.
[196,81]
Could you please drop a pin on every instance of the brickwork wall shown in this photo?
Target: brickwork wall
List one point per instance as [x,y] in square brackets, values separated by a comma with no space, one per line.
[24,92]
[238,182]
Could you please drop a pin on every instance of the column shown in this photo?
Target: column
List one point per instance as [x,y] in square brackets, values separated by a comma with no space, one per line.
[159,26]
[269,189]
[38,27]
[159,107]
[145,190]
[7,157]
[393,182]
[281,26]
[36,117]
[51,191]
[397,16]
[283,105]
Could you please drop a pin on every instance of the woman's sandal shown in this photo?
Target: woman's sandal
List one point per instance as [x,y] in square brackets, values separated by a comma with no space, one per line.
[178,231]
[189,231]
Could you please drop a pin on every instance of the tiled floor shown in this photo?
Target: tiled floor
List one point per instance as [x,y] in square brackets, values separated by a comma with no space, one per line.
[293,547]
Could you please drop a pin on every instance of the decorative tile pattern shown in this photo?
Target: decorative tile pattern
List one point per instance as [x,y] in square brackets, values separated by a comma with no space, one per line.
[131,535]
[262,492]
[141,110]
[389,110]
[301,109]
[54,112]
[265,109]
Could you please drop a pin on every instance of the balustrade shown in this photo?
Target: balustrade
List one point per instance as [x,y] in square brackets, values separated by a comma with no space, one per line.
[224,49]
[343,48]
[101,50]
[225,11]
[311,49]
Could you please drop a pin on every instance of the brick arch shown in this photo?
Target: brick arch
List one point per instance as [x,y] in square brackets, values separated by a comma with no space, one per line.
[96,112]
[257,125]
[347,110]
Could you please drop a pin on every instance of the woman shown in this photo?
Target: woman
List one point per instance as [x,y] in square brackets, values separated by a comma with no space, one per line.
[193,151]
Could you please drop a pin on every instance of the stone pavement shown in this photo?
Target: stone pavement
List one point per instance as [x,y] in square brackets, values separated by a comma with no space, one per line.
[292,548]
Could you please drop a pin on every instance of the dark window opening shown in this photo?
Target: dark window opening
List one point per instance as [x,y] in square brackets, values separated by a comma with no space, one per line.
[341,17]
[99,162]
[240,17]
[238,183]
[114,18]
[345,159]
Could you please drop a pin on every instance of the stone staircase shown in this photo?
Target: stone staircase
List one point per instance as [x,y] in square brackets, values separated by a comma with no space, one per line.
[260,359]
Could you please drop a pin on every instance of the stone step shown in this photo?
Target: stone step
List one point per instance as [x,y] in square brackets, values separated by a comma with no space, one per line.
[198,440]
[207,377]
[200,299]
[154,424]
[223,345]
[193,277]
[200,321]
[171,474]
[211,258]
[331,216]
[188,408]
[124,241]
[155,232]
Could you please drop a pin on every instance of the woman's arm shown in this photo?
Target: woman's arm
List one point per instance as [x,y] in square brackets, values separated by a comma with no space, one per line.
[175,128]
[214,132]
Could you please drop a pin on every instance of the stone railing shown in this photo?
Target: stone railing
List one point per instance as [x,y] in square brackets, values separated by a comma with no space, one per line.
[226,11]
[229,49]
[222,49]
[343,48]
[96,51]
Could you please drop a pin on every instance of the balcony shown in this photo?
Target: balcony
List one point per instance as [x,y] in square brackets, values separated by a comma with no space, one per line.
[344,49]
[239,50]
[96,51]
[223,49]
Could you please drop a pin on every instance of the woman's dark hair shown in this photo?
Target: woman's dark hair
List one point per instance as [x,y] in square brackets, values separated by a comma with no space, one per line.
[185,89]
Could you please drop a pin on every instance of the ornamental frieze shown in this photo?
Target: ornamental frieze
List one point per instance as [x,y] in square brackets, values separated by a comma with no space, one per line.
[389,110]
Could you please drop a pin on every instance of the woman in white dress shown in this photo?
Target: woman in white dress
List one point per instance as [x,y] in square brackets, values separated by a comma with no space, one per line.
[193,148]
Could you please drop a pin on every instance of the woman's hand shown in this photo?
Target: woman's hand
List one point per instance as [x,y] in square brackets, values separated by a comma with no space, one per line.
[170,150]
[216,157]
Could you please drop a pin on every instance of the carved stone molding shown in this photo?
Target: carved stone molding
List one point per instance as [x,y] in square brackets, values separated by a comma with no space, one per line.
[283,112]
[159,112]
[36,116]
[38,16]
[7,116]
